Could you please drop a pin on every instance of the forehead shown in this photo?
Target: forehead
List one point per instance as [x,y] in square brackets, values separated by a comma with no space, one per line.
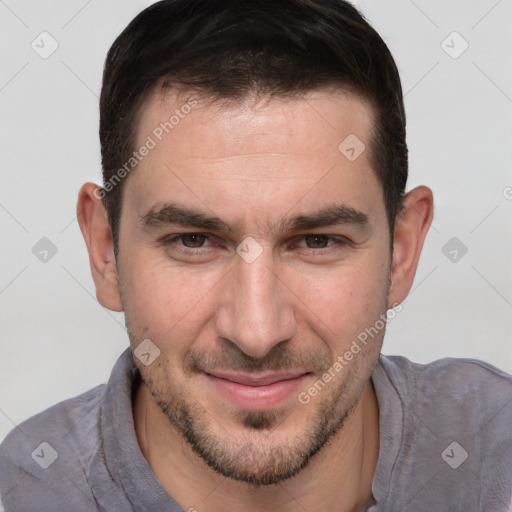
[256,153]
[318,118]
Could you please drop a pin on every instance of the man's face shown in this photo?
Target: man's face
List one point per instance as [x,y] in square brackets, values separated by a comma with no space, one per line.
[242,333]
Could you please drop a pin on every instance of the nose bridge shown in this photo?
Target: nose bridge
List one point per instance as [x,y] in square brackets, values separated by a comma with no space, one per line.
[255,312]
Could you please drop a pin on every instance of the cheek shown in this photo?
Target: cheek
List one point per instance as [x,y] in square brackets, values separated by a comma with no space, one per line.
[339,303]
[166,302]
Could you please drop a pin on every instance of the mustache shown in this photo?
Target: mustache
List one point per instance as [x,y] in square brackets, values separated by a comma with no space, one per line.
[232,358]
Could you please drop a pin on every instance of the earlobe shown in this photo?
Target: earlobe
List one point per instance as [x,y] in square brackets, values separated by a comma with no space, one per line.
[93,221]
[411,228]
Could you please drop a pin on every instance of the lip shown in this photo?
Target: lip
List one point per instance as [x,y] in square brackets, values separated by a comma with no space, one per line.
[256,391]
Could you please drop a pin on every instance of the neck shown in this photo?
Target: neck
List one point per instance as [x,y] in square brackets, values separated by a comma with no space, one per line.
[339,478]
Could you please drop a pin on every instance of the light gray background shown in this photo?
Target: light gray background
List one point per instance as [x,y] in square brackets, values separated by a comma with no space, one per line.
[57,341]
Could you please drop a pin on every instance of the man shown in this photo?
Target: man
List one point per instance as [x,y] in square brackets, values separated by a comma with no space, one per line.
[253,228]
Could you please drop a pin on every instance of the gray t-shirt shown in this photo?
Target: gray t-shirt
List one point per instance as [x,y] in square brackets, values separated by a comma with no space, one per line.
[445,445]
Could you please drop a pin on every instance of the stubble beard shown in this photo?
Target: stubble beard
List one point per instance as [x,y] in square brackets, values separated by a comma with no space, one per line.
[261,455]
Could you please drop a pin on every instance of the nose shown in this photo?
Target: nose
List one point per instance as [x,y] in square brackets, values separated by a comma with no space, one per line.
[255,309]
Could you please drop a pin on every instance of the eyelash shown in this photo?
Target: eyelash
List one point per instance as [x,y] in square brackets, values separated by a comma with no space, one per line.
[337,243]
[173,239]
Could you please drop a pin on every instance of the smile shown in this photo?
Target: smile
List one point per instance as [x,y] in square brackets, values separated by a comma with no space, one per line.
[256,391]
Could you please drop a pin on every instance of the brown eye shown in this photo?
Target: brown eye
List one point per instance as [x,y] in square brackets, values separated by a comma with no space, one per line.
[316,241]
[193,240]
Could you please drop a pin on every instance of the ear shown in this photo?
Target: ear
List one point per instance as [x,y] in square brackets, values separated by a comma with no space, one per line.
[411,228]
[93,221]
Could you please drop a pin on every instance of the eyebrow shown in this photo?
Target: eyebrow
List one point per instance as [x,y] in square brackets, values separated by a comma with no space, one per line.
[161,215]
[335,215]
[172,214]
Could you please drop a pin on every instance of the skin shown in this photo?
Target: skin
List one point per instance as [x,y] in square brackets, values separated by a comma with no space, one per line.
[298,305]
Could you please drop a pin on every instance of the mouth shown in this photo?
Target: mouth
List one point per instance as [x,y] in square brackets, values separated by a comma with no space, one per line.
[256,391]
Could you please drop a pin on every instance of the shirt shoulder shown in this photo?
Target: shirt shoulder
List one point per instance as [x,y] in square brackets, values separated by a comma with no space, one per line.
[471,386]
[448,425]
[44,459]
[454,397]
